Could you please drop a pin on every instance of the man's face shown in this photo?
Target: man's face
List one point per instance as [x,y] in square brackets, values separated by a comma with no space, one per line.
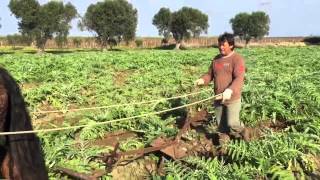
[224,48]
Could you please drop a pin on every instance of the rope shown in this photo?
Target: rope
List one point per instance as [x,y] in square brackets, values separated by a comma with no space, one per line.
[106,122]
[119,105]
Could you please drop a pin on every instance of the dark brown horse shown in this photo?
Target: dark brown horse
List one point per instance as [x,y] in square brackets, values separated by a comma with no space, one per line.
[20,155]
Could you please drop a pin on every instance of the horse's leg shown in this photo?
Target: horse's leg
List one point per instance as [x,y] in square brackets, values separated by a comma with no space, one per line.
[3,110]
[5,169]
[4,158]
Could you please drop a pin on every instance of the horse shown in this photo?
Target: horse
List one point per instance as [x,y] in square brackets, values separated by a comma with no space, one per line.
[21,155]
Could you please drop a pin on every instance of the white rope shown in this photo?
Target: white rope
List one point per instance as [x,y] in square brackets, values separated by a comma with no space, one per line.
[119,105]
[107,122]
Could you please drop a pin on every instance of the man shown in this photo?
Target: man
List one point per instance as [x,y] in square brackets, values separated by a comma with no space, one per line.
[227,71]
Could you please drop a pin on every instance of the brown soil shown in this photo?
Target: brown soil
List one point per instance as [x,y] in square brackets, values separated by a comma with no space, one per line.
[202,147]
[120,77]
[49,120]
[45,106]
[317,161]
[190,70]
[136,170]
[316,174]
[27,86]
[87,92]
[277,126]
[112,138]
[252,133]
[53,119]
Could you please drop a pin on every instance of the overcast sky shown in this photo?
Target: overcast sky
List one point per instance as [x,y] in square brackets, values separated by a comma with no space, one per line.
[288,17]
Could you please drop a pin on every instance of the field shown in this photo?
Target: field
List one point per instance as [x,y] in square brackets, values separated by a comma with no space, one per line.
[282,87]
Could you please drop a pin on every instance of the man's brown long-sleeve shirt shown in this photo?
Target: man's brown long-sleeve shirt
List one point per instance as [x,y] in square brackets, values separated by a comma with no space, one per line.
[227,72]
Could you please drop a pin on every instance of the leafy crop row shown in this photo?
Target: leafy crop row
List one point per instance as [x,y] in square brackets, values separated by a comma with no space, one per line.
[281,84]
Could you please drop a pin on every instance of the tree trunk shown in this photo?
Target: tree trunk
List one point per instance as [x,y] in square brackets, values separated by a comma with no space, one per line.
[41,43]
[178,46]
[247,43]
[179,43]
[104,47]
[40,51]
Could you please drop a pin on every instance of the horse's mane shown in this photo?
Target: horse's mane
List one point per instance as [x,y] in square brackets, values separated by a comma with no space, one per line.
[24,149]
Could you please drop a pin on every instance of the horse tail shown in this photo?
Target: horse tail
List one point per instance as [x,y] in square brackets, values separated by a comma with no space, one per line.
[25,153]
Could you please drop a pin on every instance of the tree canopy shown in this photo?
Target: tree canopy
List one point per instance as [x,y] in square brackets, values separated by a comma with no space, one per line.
[248,26]
[184,23]
[112,21]
[43,22]
[162,20]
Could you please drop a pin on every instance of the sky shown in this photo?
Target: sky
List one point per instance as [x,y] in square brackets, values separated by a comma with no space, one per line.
[288,18]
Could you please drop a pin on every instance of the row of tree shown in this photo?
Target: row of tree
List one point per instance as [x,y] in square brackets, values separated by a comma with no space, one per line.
[115,21]
[42,22]
[189,22]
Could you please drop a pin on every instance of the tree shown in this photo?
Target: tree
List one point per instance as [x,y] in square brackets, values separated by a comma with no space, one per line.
[183,24]
[260,21]
[248,26]
[162,20]
[44,22]
[112,21]
[188,22]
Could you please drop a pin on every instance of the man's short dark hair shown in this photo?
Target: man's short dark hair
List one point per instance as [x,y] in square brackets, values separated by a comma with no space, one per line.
[227,37]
